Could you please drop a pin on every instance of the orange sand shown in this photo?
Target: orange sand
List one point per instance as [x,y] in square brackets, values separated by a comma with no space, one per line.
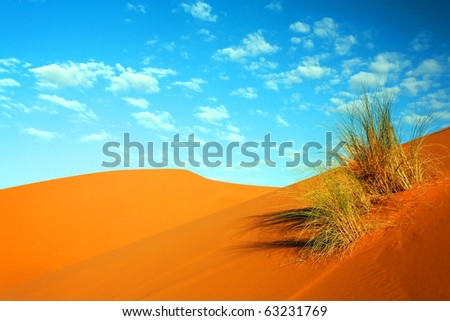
[49,225]
[172,235]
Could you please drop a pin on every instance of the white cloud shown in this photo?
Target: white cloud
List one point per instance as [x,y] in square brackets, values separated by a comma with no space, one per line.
[8,64]
[137,102]
[338,102]
[391,91]
[252,45]
[136,7]
[296,40]
[368,79]
[261,64]
[388,63]
[120,68]
[443,114]
[8,82]
[206,34]
[274,6]
[169,46]
[427,67]
[413,118]
[157,120]
[42,134]
[193,84]
[348,66]
[233,129]
[151,42]
[414,86]
[326,28]
[343,44]
[212,114]
[308,44]
[345,107]
[234,137]
[286,78]
[200,10]
[421,42]
[95,137]
[281,120]
[87,116]
[309,68]
[248,93]
[382,67]
[347,95]
[83,113]
[262,112]
[159,72]
[12,105]
[70,74]
[437,100]
[202,129]
[131,79]
[300,27]
[69,104]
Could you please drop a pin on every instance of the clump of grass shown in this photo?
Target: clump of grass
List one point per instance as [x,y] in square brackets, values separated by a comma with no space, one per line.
[334,222]
[375,165]
[373,150]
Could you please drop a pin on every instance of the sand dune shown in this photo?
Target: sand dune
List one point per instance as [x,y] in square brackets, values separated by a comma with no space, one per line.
[194,250]
[49,225]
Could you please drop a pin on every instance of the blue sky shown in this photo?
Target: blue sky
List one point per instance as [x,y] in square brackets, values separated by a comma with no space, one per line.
[77,74]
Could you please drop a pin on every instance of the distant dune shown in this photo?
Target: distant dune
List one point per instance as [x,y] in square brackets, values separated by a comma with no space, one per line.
[172,235]
[49,225]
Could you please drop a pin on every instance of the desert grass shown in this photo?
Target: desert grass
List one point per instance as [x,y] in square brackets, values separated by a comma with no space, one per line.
[373,150]
[338,201]
[376,165]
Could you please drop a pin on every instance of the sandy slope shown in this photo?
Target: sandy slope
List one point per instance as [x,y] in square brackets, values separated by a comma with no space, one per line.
[49,225]
[204,259]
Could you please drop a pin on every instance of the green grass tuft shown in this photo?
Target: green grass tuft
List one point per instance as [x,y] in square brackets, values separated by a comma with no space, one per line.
[376,165]
[338,201]
[373,150]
